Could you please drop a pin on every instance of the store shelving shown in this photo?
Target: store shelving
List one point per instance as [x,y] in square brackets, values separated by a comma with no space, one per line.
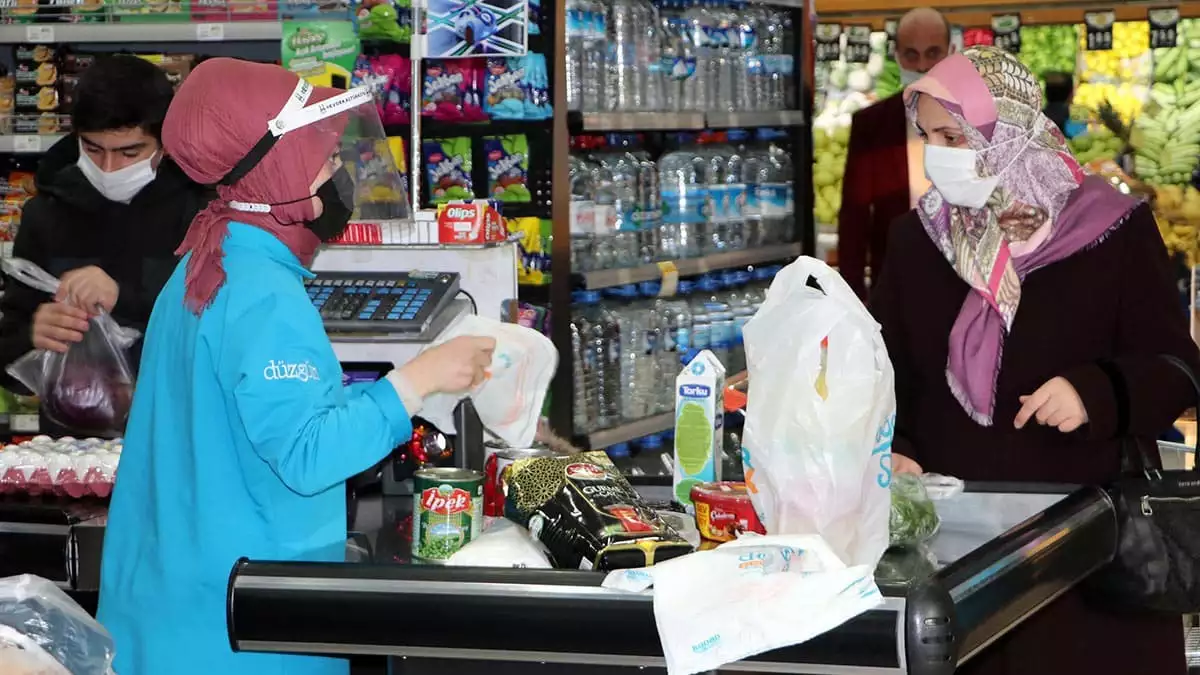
[655,424]
[23,144]
[683,121]
[116,32]
[689,267]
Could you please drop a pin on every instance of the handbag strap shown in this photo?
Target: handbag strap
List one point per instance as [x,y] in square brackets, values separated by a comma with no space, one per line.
[1191,376]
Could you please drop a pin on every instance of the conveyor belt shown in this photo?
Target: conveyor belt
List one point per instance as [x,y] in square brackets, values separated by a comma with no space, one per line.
[555,616]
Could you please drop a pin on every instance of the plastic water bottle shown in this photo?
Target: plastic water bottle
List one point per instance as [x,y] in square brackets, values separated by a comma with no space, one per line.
[711,159]
[718,37]
[734,193]
[675,318]
[720,318]
[678,60]
[596,339]
[619,177]
[701,319]
[684,218]
[757,171]
[640,204]
[751,94]
[632,329]
[584,256]
[653,374]
[775,195]
[586,35]
[741,301]
[625,83]
[577,37]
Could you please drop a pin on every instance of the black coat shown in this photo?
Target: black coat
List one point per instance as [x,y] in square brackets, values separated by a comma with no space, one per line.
[69,225]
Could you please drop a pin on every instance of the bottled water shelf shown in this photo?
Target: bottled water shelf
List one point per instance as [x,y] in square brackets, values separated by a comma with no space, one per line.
[141,32]
[656,424]
[26,144]
[685,121]
[689,267]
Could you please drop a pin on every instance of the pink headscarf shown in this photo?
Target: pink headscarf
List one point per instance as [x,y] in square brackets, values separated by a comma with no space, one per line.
[218,115]
[1042,211]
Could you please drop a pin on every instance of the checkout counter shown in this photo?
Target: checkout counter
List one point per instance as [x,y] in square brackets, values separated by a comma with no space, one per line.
[1008,550]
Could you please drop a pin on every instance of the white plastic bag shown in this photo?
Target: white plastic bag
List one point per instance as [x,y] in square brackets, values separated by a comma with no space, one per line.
[509,403]
[819,465]
[89,389]
[749,596]
[44,632]
[502,544]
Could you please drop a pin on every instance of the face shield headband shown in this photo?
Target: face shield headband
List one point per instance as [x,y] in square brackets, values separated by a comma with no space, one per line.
[294,115]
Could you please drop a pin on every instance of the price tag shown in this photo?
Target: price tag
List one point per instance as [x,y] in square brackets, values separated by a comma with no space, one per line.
[829,42]
[890,27]
[858,44]
[23,423]
[1099,27]
[39,34]
[27,143]
[670,279]
[1164,27]
[210,32]
[1006,29]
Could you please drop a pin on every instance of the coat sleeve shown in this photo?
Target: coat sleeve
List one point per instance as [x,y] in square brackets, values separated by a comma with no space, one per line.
[887,305]
[1138,393]
[299,420]
[854,218]
[20,302]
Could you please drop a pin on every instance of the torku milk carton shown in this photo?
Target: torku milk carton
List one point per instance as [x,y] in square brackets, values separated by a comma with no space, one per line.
[699,420]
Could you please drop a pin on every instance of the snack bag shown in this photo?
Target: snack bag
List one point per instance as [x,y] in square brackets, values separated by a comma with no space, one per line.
[89,388]
[817,445]
[505,88]
[529,248]
[448,169]
[508,167]
[450,91]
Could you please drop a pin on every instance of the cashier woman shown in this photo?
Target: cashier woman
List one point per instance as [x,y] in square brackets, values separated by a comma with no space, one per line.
[222,461]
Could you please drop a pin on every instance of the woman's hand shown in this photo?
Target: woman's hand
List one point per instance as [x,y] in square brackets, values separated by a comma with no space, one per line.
[452,367]
[902,464]
[90,289]
[1054,404]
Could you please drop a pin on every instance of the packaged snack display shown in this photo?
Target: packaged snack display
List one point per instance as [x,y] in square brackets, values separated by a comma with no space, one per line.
[385,20]
[587,514]
[313,9]
[507,167]
[231,10]
[390,77]
[451,92]
[150,11]
[516,88]
[448,168]
[65,467]
[534,265]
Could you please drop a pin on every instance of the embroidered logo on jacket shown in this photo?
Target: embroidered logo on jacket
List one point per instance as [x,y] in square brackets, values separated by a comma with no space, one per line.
[282,370]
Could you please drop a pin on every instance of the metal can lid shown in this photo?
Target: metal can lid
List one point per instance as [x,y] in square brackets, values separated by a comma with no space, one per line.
[447,473]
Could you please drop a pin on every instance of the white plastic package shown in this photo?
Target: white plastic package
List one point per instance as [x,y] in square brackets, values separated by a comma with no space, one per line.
[44,632]
[749,596]
[510,402]
[821,414]
[502,544]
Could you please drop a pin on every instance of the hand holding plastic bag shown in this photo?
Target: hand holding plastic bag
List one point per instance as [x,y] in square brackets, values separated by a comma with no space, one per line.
[43,632]
[89,388]
[821,414]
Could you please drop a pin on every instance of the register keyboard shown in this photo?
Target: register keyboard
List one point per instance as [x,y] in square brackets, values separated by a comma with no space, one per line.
[381,302]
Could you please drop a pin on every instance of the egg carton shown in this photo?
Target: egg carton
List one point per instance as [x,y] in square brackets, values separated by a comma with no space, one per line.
[67,467]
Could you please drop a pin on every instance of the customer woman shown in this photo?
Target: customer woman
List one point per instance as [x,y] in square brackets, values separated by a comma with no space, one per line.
[1025,307]
[241,434]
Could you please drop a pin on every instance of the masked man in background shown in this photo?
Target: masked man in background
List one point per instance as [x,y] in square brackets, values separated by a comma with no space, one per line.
[884,171]
[110,211]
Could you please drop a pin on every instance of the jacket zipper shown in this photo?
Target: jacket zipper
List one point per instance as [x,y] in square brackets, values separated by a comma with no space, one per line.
[1148,511]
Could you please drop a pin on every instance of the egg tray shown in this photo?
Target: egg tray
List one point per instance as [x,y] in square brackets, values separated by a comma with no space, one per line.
[64,467]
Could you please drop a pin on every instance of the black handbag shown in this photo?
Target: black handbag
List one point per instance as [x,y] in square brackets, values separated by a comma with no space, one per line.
[1156,567]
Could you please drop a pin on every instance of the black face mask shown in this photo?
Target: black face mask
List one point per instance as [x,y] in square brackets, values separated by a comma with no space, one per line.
[335,215]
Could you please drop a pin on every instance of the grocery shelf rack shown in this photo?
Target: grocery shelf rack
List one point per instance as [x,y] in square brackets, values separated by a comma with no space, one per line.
[794,120]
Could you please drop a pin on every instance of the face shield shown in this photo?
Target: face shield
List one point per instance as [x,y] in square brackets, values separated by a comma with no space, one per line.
[348,123]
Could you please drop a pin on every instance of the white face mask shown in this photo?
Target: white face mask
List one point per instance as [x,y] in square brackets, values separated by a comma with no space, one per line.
[952,172]
[907,76]
[121,185]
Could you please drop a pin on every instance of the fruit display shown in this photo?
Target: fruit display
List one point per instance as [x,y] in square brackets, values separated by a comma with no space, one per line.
[888,83]
[829,153]
[1049,49]
[1178,63]
[1095,143]
[1177,209]
[1120,75]
[1126,98]
[1167,137]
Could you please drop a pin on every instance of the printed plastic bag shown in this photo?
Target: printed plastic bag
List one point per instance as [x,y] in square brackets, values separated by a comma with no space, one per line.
[817,444]
[43,632]
[749,596]
[914,518]
[89,388]
[509,402]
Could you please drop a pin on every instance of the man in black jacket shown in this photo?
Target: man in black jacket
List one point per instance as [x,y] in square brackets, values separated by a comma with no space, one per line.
[110,211]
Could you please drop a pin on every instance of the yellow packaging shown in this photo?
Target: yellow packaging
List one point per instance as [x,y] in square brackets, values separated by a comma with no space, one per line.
[529,268]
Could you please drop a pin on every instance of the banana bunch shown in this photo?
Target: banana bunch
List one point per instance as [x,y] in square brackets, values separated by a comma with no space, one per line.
[1167,143]
[1173,64]
[1177,210]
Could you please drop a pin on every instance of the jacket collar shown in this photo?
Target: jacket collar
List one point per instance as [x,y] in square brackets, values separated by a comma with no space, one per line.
[257,241]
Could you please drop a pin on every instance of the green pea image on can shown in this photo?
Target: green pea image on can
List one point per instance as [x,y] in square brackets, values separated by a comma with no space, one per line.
[447,512]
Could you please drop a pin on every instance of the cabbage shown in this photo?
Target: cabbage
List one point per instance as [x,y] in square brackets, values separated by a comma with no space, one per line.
[89,399]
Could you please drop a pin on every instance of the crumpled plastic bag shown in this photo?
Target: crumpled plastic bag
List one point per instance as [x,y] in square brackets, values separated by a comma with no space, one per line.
[914,517]
[89,389]
[749,596]
[509,402]
[44,632]
[502,544]
[820,418]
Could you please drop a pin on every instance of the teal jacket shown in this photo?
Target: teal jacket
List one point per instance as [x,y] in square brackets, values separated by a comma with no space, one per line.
[239,443]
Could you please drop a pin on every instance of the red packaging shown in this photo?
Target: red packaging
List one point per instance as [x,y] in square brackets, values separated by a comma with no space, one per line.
[220,11]
[497,460]
[978,36]
[474,222]
[724,510]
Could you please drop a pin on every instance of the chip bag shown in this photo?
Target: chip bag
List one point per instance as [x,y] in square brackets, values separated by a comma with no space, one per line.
[820,415]
[88,389]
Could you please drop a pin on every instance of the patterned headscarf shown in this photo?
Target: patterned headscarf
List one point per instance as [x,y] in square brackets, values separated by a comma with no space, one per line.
[1043,209]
